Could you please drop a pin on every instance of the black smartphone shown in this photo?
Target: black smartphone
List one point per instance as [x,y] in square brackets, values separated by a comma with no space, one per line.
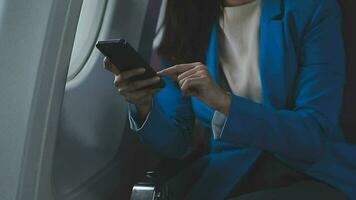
[125,57]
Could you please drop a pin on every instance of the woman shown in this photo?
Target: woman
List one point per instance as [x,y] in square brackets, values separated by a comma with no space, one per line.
[265,76]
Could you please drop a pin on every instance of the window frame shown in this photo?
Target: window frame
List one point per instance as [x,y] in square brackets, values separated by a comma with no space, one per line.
[78,66]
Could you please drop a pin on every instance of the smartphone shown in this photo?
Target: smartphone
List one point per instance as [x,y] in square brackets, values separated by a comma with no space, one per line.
[125,57]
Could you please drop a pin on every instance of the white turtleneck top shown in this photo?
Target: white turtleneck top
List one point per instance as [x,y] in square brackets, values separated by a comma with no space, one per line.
[239,52]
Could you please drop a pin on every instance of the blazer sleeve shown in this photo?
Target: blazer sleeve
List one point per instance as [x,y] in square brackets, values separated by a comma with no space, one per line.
[169,126]
[303,132]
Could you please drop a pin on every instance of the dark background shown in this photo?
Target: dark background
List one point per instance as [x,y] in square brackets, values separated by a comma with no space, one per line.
[348,118]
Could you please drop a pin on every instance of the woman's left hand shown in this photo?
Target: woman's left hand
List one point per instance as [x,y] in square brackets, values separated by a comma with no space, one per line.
[194,80]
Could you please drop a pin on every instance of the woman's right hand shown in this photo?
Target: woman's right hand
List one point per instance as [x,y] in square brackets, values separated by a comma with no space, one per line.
[132,90]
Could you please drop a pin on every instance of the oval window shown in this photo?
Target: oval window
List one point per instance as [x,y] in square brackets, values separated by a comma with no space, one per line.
[88,29]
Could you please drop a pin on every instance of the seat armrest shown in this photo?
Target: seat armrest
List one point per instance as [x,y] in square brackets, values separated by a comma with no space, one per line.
[163,182]
[169,180]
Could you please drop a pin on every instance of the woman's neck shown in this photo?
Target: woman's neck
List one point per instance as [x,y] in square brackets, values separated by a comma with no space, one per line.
[231,3]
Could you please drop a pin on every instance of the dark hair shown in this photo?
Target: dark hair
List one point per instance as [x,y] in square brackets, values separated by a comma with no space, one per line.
[187,28]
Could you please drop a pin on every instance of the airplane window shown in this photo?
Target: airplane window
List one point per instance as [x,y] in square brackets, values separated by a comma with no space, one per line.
[89,24]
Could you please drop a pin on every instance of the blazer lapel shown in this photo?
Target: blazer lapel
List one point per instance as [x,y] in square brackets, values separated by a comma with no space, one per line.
[273,54]
[212,56]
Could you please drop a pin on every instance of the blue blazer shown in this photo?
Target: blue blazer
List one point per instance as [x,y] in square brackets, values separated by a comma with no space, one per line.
[302,69]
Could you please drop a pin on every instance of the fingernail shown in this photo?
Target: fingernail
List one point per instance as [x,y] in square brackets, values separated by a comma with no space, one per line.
[142,69]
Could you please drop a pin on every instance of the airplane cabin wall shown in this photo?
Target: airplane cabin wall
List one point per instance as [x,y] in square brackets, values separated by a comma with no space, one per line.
[93,121]
[36,42]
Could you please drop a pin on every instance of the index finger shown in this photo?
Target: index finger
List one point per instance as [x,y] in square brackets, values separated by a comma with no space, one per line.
[176,70]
